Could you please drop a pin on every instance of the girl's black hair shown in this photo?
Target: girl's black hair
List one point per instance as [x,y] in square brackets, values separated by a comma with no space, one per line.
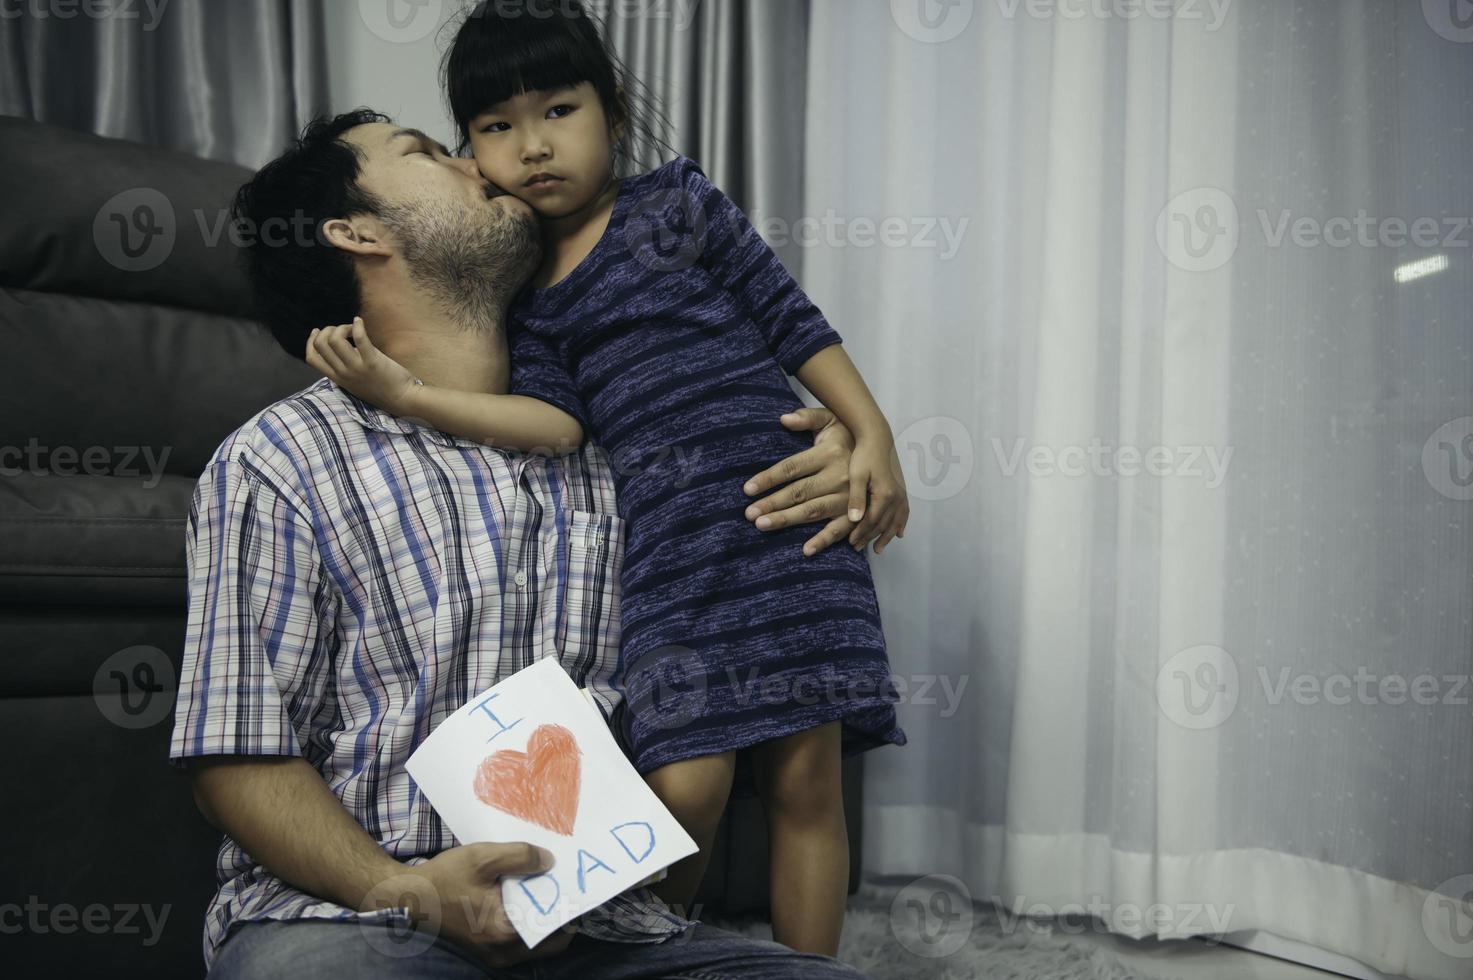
[506,47]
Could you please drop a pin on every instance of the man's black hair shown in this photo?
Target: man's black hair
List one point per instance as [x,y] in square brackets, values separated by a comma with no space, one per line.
[298,280]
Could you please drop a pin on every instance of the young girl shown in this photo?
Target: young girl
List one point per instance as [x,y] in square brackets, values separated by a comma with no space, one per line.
[660,326]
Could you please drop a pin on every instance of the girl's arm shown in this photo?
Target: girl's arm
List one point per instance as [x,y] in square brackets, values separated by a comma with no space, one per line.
[515,422]
[803,342]
[874,469]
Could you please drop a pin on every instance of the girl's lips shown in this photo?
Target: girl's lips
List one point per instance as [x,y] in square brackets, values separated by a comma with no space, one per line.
[543,184]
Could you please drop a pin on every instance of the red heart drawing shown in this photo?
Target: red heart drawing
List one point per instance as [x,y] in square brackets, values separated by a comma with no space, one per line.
[539,785]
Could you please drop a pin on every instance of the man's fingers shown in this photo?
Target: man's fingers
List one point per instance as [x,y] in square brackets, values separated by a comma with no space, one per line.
[520,858]
[832,534]
[808,419]
[818,509]
[797,492]
[784,471]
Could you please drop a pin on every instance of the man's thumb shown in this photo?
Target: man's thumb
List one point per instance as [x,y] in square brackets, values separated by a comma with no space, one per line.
[807,418]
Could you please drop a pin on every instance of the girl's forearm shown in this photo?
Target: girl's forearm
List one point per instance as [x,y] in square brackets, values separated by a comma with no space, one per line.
[836,382]
[513,422]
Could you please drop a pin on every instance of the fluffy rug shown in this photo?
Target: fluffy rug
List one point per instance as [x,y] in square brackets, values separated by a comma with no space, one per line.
[890,936]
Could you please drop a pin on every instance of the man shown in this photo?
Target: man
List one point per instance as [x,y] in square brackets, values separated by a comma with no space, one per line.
[354,577]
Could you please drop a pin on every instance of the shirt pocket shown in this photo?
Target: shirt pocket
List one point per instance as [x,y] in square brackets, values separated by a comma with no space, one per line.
[589,631]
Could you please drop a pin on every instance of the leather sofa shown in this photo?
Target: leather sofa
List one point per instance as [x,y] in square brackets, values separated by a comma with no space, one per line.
[129,354]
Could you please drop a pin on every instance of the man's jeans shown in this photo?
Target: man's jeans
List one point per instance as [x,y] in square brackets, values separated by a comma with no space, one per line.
[326,948]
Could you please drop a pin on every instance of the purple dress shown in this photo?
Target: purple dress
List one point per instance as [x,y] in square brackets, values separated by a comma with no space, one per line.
[669,342]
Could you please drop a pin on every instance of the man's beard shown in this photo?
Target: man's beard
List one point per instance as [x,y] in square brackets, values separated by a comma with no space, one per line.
[470,264]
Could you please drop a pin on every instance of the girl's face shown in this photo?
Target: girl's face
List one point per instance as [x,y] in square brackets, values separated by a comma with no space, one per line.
[562,132]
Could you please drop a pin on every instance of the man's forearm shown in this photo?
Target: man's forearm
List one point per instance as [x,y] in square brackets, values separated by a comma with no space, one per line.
[279,810]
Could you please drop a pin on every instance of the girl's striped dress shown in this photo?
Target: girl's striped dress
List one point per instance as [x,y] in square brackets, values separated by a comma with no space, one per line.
[669,341]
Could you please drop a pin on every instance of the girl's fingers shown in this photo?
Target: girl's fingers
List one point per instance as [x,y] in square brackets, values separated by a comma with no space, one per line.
[366,350]
[328,351]
[342,344]
[885,539]
[858,486]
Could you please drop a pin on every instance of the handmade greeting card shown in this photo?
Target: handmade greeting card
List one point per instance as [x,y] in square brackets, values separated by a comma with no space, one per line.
[530,759]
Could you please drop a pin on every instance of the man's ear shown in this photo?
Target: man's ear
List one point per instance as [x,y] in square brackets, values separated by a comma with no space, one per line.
[361,234]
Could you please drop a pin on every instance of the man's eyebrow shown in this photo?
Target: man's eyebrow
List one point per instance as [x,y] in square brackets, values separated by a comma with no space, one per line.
[419,135]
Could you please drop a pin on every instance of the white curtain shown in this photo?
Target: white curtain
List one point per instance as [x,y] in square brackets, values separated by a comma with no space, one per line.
[1184,611]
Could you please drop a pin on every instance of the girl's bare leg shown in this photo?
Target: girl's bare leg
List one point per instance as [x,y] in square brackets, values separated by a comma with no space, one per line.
[695,791]
[798,779]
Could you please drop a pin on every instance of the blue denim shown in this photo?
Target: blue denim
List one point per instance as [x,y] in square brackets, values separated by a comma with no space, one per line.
[326,948]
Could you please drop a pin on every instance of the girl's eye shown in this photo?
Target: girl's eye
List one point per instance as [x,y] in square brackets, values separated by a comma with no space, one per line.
[556,108]
[491,127]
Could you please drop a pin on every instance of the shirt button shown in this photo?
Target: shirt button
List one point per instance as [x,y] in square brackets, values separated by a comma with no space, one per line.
[521,578]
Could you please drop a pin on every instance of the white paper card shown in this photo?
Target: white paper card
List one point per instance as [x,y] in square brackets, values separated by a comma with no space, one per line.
[532,759]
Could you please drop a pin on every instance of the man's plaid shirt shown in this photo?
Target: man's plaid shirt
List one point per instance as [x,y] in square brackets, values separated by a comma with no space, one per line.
[355,577]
